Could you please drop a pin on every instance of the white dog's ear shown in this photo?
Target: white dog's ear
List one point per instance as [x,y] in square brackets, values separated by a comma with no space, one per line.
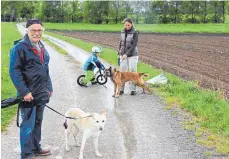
[105,112]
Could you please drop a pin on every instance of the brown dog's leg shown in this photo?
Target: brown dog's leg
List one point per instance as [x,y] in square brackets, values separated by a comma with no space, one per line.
[118,93]
[143,91]
[150,91]
[115,88]
[143,88]
[147,88]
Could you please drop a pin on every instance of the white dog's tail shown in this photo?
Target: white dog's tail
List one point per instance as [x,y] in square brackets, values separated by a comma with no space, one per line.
[65,124]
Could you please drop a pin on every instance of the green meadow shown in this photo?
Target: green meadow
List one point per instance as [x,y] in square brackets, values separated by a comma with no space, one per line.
[148,28]
[9,35]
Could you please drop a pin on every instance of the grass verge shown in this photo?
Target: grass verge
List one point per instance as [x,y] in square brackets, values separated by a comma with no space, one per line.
[9,35]
[59,49]
[148,28]
[210,112]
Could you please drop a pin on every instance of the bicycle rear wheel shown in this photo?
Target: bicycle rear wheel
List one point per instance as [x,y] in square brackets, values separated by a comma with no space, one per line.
[80,80]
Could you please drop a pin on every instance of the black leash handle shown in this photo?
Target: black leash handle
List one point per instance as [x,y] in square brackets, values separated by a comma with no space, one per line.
[30,113]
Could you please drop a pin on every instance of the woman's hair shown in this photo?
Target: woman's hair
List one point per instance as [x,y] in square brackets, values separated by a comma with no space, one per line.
[128,20]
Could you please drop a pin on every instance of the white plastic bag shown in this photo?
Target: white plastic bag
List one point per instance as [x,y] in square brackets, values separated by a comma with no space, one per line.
[160,79]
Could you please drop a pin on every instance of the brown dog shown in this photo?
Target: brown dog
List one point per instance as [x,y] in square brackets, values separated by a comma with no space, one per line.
[119,78]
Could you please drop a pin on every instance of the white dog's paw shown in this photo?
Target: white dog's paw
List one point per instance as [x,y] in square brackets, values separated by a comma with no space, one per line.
[80,157]
[98,154]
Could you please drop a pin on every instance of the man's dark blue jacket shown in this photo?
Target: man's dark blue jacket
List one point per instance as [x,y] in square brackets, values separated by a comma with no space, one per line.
[28,72]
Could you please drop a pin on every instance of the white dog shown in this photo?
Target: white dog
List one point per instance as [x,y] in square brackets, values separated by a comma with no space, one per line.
[90,123]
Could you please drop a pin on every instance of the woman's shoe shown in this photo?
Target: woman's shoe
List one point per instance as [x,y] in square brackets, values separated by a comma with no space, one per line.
[133,93]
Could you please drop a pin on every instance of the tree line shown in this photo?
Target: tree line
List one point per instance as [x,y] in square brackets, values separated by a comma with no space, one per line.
[100,12]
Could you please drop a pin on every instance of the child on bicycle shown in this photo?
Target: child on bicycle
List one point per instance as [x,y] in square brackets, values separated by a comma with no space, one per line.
[91,63]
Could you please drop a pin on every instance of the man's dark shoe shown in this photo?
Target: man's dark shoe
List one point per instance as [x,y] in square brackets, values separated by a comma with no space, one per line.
[121,92]
[133,93]
[43,152]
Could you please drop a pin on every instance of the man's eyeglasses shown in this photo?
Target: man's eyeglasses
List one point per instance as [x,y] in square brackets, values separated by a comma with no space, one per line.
[39,31]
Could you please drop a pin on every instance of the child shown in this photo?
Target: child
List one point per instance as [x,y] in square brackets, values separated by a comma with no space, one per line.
[91,63]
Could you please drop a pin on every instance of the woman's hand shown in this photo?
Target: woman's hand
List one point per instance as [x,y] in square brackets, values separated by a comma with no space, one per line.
[123,57]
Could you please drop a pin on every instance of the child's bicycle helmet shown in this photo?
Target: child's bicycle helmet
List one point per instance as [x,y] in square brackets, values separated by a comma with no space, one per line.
[96,49]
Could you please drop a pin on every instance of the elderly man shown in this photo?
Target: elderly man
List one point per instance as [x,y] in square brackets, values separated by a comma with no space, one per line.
[29,73]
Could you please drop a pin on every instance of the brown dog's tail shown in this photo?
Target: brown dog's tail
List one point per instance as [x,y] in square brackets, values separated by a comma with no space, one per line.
[143,74]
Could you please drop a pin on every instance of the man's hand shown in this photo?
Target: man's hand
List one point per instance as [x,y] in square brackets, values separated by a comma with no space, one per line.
[50,94]
[28,97]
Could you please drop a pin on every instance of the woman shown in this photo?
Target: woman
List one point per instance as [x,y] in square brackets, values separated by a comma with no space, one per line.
[128,51]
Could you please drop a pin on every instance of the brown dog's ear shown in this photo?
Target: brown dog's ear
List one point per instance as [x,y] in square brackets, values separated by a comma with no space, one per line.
[140,73]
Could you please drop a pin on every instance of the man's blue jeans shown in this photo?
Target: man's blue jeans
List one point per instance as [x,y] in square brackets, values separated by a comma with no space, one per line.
[30,130]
